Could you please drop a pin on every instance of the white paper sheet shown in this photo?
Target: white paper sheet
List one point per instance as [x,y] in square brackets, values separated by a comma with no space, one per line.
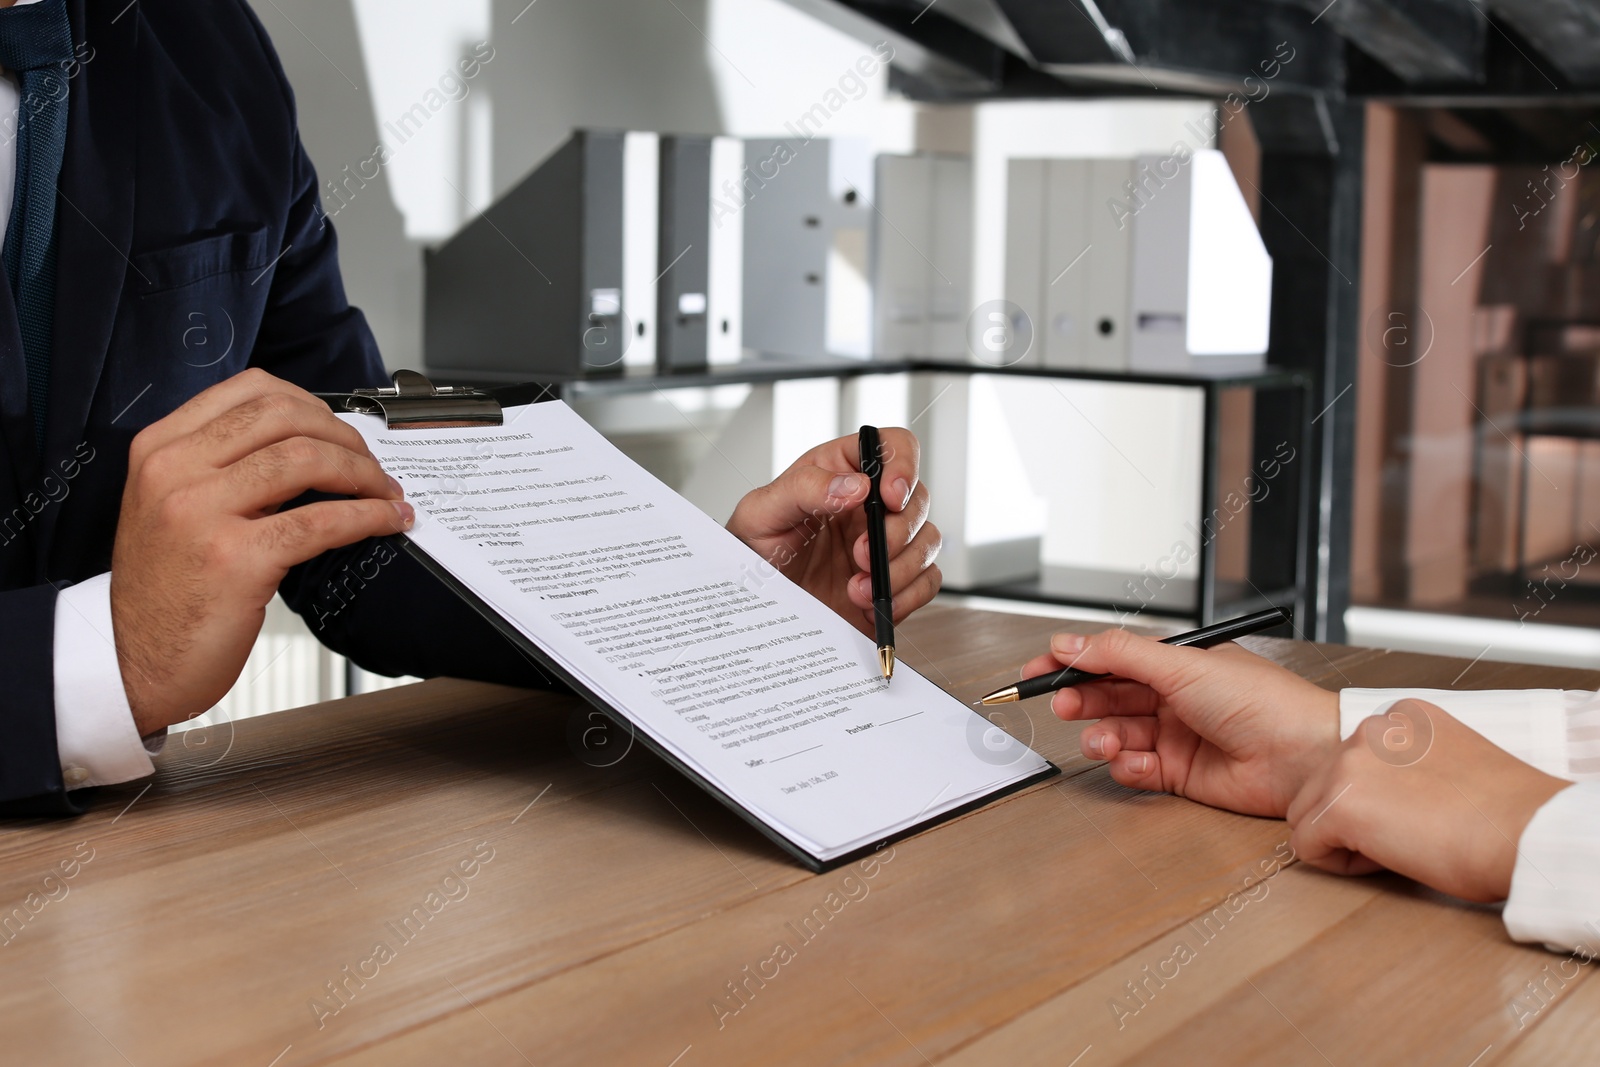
[696,639]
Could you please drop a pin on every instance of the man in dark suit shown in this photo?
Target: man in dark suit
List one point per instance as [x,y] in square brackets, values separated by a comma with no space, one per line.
[143,488]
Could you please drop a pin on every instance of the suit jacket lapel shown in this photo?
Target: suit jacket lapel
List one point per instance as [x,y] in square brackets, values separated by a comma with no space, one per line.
[94,214]
[94,218]
[16,421]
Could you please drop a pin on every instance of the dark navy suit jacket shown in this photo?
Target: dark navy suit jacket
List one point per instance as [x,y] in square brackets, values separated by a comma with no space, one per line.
[191,244]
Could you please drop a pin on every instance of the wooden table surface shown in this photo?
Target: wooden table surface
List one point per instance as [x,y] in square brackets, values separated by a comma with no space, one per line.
[532,908]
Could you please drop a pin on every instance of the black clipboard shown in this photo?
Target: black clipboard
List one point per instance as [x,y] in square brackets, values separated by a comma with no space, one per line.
[414,403]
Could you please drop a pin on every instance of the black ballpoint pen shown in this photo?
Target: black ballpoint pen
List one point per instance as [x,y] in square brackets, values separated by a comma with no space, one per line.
[871,463]
[1205,637]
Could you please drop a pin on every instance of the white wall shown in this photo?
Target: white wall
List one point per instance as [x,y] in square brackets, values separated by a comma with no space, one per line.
[441,176]
[773,63]
[320,47]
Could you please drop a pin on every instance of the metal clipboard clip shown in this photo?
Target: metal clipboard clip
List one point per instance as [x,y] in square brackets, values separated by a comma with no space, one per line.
[417,404]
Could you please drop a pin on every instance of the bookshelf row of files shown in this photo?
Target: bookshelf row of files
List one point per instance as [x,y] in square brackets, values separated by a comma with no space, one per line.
[669,253]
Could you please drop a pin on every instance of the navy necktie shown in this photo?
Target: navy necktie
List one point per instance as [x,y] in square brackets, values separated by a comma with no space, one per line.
[36,46]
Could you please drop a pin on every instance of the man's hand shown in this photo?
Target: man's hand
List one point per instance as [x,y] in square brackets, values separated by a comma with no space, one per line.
[809,524]
[1448,814]
[201,546]
[1221,726]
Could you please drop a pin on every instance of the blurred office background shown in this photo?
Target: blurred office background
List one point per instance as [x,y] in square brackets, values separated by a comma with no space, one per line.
[1469,436]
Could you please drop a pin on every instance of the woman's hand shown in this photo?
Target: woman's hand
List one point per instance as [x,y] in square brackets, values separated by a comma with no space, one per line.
[808,524]
[1447,807]
[1222,726]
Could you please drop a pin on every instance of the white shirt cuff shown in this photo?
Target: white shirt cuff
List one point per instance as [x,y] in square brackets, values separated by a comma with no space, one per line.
[1555,887]
[95,735]
[1533,725]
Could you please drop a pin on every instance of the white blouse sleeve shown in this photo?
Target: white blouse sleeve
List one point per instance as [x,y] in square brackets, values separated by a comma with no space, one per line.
[1555,888]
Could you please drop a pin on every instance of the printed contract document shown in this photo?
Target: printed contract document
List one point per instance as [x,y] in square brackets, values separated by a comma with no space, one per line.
[665,620]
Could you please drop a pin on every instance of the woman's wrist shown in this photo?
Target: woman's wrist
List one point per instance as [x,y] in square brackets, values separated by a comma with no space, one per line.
[1316,738]
[1514,803]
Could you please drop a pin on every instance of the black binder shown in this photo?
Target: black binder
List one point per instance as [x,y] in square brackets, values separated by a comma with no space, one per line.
[415,403]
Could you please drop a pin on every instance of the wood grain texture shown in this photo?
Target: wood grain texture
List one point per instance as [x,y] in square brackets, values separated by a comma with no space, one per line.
[212,909]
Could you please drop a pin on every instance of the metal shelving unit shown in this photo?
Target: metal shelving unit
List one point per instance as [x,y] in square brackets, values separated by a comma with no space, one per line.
[1281,534]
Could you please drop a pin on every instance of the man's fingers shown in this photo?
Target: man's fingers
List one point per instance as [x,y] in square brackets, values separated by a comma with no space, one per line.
[918,594]
[803,499]
[299,534]
[281,472]
[263,421]
[904,568]
[900,528]
[248,385]
[902,454]
[1104,740]
[902,461]
[1103,700]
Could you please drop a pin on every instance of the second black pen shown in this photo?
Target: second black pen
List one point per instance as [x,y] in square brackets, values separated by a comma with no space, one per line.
[1205,637]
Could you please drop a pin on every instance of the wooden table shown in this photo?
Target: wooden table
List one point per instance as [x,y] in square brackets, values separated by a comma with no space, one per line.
[229,911]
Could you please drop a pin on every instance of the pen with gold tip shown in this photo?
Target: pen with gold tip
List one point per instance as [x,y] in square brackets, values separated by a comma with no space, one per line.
[1205,637]
[871,463]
